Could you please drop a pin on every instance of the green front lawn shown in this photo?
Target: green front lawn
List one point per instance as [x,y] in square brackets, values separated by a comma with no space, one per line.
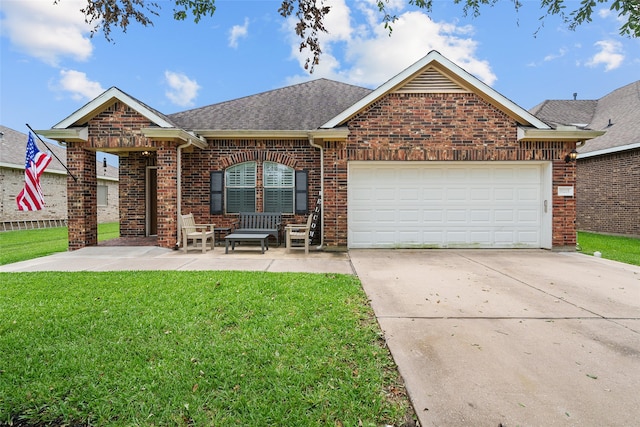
[21,245]
[617,248]
[193,349]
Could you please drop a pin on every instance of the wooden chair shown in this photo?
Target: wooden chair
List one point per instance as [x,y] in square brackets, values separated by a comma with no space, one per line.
[299,232]
[195,232]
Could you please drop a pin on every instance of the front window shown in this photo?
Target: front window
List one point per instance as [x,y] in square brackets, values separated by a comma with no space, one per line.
[240,185]
[278,181]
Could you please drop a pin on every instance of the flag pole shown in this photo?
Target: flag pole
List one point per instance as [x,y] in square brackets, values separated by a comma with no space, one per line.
[51,151]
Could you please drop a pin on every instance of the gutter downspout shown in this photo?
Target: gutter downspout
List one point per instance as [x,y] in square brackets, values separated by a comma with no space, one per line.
[321,148]
[179,192]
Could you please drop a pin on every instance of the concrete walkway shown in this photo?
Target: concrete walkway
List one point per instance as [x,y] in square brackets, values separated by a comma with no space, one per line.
[510,338]
[122,258]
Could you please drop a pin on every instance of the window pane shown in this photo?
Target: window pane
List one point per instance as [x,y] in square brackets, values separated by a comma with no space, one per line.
[240,185]
[277,175]
[278,200]
[241,175]
[241,200]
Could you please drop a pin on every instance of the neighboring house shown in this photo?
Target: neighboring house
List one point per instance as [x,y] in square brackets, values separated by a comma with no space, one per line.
[54,185]
[432,158]
[608,185]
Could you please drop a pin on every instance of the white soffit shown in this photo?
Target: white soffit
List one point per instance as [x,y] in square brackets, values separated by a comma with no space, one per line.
[74,134]
[450,77]
[106,99]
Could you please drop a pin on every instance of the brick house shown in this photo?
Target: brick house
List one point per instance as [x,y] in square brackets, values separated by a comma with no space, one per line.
[54,186]
[608,167]
[432,158]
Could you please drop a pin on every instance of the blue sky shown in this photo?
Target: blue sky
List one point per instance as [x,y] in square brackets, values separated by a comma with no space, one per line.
[51,66]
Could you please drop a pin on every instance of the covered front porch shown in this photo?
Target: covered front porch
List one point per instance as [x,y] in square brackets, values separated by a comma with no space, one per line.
[149,150]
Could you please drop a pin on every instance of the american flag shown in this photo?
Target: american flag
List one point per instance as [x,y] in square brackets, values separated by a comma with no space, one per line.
[31,197]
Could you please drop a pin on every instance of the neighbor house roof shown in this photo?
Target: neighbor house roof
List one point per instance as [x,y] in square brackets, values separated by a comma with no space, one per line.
[303,106]
[617,113]
[13,145]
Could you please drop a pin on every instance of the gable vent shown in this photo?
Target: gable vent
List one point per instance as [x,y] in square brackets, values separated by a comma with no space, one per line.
[431,81]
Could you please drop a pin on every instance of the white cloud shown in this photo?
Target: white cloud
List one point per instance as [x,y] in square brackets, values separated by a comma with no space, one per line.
[414,35]
[47,31]
[182,90]
[78,85]
[238,31]
[610,55]
[562,52]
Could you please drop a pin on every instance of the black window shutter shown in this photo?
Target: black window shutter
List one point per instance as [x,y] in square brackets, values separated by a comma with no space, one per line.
[302,190]
[216,191]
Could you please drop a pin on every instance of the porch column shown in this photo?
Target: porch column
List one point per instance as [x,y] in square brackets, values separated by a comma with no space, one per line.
[335,196]
[167,157]
[82,201]
[564,207]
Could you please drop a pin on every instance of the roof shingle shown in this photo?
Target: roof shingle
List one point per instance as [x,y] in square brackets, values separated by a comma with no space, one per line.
[303,106]
[617,113]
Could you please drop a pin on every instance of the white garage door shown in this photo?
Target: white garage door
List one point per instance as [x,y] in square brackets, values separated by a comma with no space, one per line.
[449,204]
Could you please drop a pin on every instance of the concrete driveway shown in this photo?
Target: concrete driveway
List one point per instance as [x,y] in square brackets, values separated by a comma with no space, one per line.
[511,338]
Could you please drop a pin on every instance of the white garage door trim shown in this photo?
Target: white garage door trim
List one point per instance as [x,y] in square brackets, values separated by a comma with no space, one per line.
[449,204]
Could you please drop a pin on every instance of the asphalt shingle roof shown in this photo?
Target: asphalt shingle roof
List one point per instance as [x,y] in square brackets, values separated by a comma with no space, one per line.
[13,145]
[617,113]
[303,106]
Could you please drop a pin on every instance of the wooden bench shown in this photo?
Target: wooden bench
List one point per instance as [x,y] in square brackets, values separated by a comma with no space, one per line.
[259,223]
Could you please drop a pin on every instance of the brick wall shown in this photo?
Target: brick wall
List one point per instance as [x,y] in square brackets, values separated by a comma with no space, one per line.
[405,127]
[81,197]
[221,154]
[167,194]
[132,195]
[608,193]
[439,127]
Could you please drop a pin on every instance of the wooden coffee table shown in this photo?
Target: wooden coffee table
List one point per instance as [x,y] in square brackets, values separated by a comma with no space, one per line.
[233,238]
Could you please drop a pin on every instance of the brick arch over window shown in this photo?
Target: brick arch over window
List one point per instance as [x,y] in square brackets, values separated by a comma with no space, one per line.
[258,156]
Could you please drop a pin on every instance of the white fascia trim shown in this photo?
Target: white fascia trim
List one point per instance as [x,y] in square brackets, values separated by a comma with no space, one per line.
[609,150]
[339,133]
[74,134]
[252,134]
[104,98]
[174,133]
[461,74]
[560,134]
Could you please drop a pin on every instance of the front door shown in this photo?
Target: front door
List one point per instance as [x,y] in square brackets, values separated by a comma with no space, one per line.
[152,200]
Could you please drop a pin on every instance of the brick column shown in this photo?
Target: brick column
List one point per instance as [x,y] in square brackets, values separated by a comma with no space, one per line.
[167,156]
[82,203]
[564,207]
[335,196]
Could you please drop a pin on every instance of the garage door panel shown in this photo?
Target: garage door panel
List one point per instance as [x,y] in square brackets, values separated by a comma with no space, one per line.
[456,195]
[481,194]
[456,216]
[503,216]
[397,204]
[528,194]
[480,237]
[432,194]
[410,194]
[478,216]
[528,216]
